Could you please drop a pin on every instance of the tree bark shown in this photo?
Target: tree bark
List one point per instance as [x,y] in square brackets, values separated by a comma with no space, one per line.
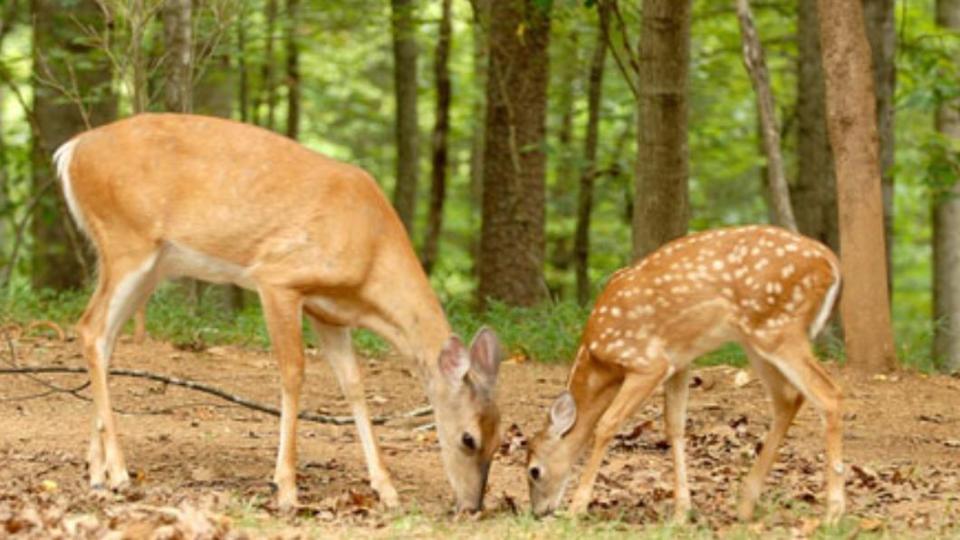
[851,108]
[268,87]
[178,40]
[72,93]
[814,195]
[756,64]
[438,176]
[481,21]
[293,70]
[882,34]
[946,227]
[243,92]
[588,173]
[662,208]
[512,233]
[405,91]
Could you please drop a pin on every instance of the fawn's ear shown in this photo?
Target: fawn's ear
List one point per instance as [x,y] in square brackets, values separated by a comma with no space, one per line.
[485,357]
[563,414]
[454,362]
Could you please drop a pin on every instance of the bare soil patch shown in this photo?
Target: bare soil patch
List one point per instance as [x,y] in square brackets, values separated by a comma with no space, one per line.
[196,459]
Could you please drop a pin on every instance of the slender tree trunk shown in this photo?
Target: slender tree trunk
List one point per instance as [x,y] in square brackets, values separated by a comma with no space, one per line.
[512,233]
[481,21]
[588,173]
[946,227]
[178,39]
[662,203]
[438,179]
[268,87]
[407,131]
[756,64]
[293,71]
[138,25]
[244,90]
[63,57]
[815,193]
[882,33]
[851,120]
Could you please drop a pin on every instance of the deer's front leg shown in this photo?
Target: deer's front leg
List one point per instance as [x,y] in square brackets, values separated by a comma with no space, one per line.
[282,310]
[634,390]
[338,350]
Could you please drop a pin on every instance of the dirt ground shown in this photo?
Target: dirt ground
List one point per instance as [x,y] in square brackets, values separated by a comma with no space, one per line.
[196,457]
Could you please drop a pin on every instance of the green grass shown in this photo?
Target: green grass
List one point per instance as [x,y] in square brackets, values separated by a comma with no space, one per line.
[549,332]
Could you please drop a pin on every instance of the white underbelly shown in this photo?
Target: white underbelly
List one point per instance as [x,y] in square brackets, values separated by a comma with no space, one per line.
[181,261]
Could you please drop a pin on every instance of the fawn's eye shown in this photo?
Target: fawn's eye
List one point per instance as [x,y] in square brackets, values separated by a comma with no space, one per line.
[535,473]
[468,441]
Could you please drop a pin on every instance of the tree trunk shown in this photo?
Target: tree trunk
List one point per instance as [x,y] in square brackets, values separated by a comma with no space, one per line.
[438,179]
[268,87]
[512,233]
[138,26]
[407,131]
[588,173]
[756,64]
[882,33]
[946,227]
[62,56]
[815,192]
[661,208]
[481,22]
[293,71]
[178,40]
[243,93]
[851,120]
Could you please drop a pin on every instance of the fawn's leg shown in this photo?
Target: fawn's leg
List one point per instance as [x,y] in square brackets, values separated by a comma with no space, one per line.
[786,401]
[634,390]
[675,418]
[795,360]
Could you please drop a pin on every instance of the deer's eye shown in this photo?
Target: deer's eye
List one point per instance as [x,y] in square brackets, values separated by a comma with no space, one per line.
[535,473]
[468,441]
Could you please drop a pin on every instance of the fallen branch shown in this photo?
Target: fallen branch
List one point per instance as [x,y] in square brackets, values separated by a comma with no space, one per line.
[212,390]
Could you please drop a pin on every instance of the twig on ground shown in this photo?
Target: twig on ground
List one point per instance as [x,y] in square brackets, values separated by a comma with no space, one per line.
[222,394]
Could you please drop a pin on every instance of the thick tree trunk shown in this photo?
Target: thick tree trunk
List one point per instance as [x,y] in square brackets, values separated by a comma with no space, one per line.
[661,208]
[814,195]
[512,233]
[293,70]
[438,174]
[756,64]
[851,120]
[407,131]
[882,34]
[588,173]
[178,40]
[138,25]
[62,56]
[946,227]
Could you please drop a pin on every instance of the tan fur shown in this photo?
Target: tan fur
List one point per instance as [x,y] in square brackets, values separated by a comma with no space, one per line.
[165,195]
[760,286]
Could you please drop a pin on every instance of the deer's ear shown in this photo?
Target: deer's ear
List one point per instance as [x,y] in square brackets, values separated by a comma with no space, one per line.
[485,357]
[563,414]
[454,363]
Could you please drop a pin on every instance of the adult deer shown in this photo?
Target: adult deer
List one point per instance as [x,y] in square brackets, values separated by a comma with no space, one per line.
[766,288]
[177,195]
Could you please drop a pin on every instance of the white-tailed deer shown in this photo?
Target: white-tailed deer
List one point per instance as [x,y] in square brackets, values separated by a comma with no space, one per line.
[177,195]
[766,288]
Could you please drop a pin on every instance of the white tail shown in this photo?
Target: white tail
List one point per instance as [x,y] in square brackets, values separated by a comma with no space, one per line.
[766,288]
[177,195]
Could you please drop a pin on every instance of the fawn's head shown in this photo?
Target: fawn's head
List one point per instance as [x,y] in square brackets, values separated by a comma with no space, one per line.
[550,456]
[467,415]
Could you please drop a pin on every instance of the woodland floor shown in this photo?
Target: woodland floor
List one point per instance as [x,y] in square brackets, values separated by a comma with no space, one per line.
[202,466]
